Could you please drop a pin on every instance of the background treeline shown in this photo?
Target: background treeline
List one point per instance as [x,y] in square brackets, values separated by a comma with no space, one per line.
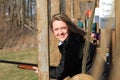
[17,24]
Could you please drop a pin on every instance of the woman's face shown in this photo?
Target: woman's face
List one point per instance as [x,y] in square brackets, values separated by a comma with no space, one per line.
[60,30]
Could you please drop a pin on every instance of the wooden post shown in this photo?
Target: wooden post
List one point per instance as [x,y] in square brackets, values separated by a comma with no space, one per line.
[117,11]
[72,10]
[76,10]
[113,44]
[42,26]
[117,18]
[115,75]
[54,52]
[68,8]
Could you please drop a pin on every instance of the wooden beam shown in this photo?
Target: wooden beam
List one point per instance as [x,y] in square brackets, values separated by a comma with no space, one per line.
[55,7]
[76,10]
[115,75]
[42,26]
[72,10]
[68,8]
[117,11]
[54,52]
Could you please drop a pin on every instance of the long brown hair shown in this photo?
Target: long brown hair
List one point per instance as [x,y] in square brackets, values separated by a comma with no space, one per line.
[72,27]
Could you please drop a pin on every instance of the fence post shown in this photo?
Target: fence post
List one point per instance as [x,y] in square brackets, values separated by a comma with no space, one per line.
[42,26]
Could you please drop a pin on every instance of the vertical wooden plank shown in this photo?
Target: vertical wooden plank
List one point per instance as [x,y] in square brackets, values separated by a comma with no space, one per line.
[103,42]
[116,58]
[68,8]
[54,52]
[55,7]
[72,10]
[117,11]
[76,10]
[100,57]
[97,3]
[42,25]
[113,43]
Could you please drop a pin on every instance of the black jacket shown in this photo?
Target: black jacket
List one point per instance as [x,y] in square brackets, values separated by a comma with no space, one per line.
[71,59]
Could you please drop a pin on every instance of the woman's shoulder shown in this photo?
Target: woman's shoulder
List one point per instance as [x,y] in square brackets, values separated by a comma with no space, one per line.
[76,37]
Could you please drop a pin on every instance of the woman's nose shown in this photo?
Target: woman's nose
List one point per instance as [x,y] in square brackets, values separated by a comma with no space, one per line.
[60,31]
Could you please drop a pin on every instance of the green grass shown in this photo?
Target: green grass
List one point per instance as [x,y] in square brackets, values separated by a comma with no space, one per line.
[11,72]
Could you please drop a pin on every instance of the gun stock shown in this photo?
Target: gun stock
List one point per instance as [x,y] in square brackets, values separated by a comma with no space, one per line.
[24,66]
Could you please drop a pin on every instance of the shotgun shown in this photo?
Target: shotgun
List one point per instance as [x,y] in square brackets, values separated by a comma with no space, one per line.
[22,65]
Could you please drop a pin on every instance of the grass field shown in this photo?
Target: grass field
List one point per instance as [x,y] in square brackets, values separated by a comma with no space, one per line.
[11,72]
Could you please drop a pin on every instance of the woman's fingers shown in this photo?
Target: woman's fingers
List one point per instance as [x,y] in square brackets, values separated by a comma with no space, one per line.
[36,69]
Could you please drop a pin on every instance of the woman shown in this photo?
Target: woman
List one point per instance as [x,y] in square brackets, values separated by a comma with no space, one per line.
[71,47]
[71,44]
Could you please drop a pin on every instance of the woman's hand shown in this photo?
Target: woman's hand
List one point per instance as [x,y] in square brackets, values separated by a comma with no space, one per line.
[36,69]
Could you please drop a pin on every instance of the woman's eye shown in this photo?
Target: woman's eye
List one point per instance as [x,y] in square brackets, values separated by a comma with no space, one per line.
[55,29]
[64,28]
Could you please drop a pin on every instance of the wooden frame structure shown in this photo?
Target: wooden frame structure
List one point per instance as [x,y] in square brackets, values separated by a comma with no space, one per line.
[44,12]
